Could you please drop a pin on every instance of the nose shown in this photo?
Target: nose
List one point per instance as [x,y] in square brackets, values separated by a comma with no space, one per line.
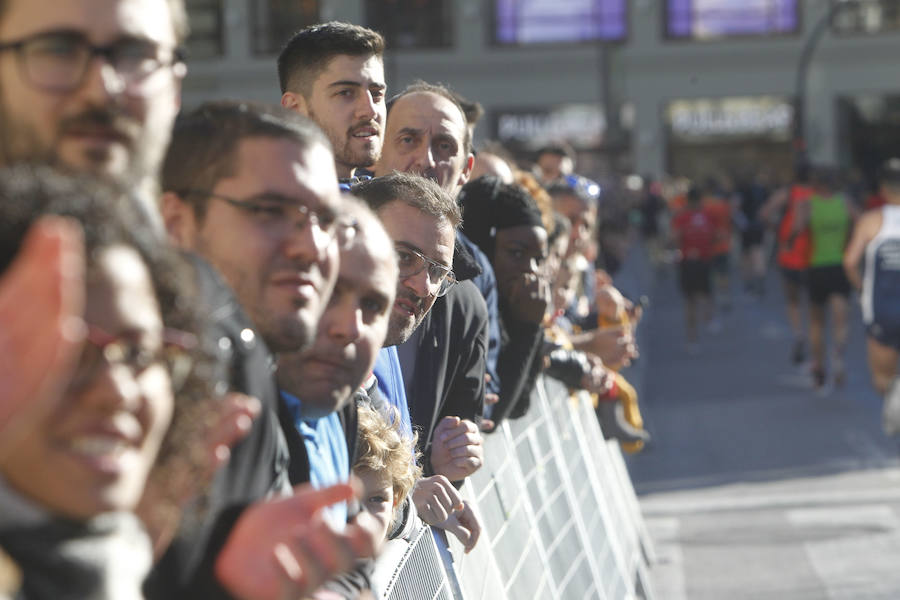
[365,108]
[114,388]
[102,83]
[307,241]
[346,324]
[419,283]
[424,157]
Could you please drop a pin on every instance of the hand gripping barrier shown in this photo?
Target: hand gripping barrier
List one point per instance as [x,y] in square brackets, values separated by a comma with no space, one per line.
[560,517]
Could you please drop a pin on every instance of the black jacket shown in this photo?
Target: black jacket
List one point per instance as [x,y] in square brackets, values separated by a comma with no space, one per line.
[258,466]
[449,374]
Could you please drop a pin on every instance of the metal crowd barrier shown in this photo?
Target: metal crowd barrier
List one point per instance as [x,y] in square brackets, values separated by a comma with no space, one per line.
[560,516]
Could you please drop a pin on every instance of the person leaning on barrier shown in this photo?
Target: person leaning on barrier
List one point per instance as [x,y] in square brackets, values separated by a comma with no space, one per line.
[333,73]
[421,220]
[429,133]
[252,189]
[135,399]
[504,221]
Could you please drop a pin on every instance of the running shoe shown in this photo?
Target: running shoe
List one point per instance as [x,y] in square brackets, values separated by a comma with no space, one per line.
[818,378]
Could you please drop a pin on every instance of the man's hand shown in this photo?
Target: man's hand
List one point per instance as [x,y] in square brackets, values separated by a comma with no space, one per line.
[464,525]
[284,549]
[436,499]
[41,327]
[456,450]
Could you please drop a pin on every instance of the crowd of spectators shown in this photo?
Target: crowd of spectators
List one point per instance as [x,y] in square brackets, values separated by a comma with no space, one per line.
[209,322]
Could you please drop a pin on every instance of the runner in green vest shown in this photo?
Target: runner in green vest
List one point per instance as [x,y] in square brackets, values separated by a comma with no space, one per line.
[829,217]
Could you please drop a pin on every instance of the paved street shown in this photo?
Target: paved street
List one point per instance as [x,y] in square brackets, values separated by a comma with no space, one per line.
[754,486]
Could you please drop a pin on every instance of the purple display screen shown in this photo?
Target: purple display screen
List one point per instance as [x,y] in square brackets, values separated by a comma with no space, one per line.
[701,19]
[545,21]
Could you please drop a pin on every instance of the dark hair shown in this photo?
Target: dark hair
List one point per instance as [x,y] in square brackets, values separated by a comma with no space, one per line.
[413,190]
[557,148]
[109,217]
[205,141]
[472,110]
[563,187]
[419,87]
[309,50]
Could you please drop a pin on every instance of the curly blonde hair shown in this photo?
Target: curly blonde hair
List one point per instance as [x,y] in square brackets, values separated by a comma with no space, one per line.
[382,447]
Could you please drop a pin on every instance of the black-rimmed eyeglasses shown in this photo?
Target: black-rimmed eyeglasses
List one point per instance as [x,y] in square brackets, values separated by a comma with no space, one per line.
[57,61]
[278,215]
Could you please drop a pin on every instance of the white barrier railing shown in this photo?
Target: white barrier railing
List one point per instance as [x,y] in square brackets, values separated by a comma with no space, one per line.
[560,517]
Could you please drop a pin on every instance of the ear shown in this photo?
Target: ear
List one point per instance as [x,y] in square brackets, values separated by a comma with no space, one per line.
[464,176]
[180,221]
[295,102]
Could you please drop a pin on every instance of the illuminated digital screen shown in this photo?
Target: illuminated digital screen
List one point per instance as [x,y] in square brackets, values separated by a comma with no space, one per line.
[548,21]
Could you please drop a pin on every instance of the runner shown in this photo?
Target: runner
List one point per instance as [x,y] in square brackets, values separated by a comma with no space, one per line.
[792,254]
[829,217]
[694,232]
[876,242]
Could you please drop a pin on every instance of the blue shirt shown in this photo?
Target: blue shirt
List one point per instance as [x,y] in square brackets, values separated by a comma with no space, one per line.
[390,383]
[326,447]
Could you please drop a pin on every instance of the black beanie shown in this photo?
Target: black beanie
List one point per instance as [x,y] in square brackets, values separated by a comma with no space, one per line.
[489,205]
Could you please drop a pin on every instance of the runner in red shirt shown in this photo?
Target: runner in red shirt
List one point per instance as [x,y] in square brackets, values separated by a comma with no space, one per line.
[694,232]
[793,255]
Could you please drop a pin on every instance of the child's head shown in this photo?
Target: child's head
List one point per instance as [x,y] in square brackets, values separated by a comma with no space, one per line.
[384,463]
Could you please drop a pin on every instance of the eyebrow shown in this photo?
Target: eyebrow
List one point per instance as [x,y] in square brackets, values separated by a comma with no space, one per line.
[349,82]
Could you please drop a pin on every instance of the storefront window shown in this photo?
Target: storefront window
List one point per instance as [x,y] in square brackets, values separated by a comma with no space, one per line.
[868,16]
[549,21]
[716,19]
[206,40]
[412,23]
[274,21]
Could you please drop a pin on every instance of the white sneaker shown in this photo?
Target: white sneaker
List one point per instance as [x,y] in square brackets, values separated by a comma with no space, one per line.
[890,416]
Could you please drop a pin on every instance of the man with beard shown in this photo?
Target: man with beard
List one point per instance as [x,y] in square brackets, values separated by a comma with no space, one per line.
[421,219]
[318,384]
[253,190]
[92,86]
[333,73]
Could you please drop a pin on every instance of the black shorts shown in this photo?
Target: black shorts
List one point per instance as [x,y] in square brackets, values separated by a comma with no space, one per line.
[695,277]
[752,236]
[796,277]
[721,263]
[885,334]
[827,281]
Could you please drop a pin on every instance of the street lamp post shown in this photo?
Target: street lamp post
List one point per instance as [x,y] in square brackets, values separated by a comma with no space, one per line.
[806,55]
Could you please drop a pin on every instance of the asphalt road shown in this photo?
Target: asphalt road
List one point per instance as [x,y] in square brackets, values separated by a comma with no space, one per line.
[754,486]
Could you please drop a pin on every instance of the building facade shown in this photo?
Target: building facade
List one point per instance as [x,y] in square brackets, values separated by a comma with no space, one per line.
[652,86]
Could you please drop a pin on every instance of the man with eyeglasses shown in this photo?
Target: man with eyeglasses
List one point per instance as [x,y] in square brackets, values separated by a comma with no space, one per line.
[91,85]
[253,190]
[421,219]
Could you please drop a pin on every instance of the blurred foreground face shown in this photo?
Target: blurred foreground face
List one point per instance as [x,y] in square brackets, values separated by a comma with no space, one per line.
[259,232]
[351,331]
[416,232]
[92,453]
[425,135]
[378,497]
[62,103]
